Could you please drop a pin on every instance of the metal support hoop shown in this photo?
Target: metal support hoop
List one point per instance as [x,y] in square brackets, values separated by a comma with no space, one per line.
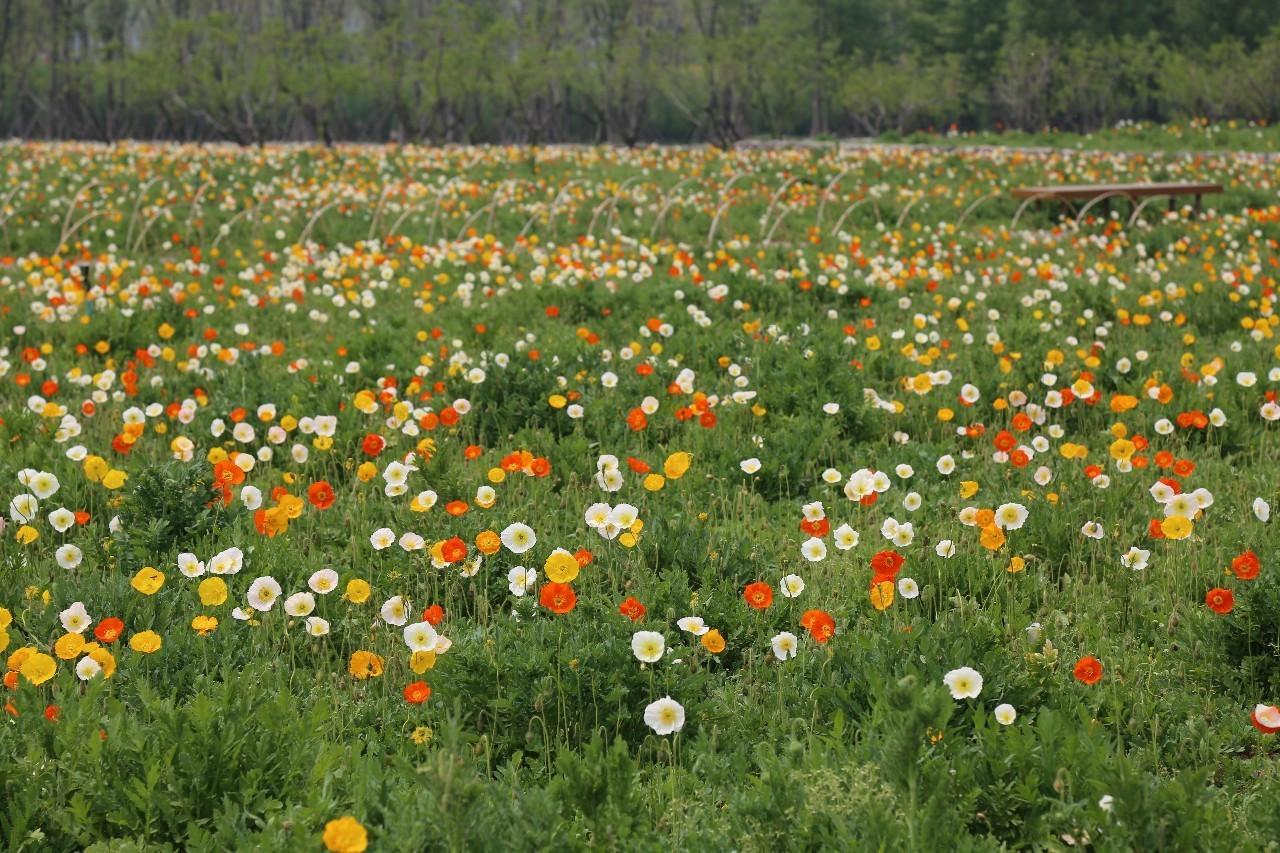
[1025,204]
[1138,210]
[851,208]
[825,194]
[306,232]
[667,202]
[971,208]
[903,216]
[773,203]
[1105,196]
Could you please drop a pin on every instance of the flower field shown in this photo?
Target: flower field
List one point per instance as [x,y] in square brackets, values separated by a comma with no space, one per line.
[547,498]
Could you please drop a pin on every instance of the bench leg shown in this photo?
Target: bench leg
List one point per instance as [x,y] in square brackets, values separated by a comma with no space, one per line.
[1172,200]
[1197,205]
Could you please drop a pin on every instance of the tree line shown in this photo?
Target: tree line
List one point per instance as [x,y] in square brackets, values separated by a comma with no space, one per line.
[622,71]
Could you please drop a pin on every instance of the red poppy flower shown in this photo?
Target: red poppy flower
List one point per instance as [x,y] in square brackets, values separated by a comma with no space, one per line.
[887,563]
[433,615]
[373,444]
[1088,670]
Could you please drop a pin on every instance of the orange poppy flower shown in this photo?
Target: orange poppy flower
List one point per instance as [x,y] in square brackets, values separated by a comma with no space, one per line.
[817,529]
[417,693]
[433,615]
[373,444]
[456,507]
[109,630]
[488,542]
[992,538]
[820,624]
[453,550]
[365,664]
[1088,670]
[1220,600]
[637,420]
[473,451]
[632,609]
[759,595]
[227,473]
[584,557]
[637,465]
[557,597]
[321,495]
[1246,566]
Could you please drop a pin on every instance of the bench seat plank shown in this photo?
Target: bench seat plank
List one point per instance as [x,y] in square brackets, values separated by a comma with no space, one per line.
[1076,192]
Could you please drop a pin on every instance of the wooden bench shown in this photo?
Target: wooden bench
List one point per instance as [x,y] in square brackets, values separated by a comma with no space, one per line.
[1070,194]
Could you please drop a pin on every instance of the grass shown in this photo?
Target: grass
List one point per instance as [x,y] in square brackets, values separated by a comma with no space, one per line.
[206,312]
